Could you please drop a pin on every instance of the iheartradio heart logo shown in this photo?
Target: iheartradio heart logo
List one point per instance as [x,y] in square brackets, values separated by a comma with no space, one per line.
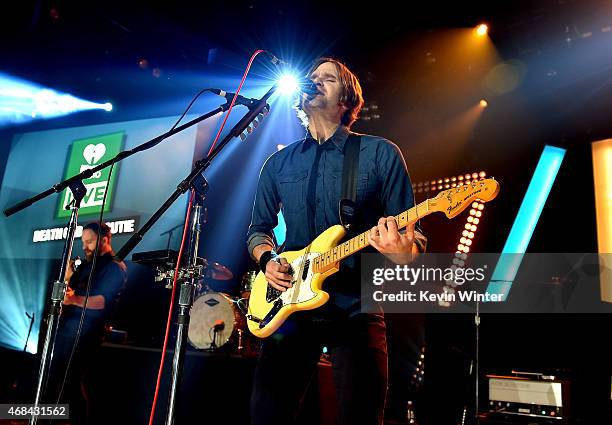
[93,153]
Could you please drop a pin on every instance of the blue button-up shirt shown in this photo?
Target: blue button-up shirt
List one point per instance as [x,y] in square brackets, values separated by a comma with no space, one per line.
[304,181]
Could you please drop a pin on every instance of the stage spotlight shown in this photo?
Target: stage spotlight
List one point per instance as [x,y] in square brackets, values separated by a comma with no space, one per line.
[484,103]
[108,106]
[20,101]
[482,30]
[287,84]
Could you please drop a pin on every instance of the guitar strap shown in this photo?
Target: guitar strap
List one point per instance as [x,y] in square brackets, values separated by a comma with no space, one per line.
[350,170]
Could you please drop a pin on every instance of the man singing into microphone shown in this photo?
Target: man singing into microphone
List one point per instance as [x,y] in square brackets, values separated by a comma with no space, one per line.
[305,181]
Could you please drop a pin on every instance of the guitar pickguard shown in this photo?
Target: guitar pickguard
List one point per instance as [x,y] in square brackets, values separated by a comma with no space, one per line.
[301,290]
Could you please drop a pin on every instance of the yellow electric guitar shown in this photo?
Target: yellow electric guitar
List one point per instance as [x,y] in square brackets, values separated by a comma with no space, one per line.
[269,308]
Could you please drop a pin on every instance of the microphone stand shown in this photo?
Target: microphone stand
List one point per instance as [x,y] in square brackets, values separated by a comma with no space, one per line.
[57,296]
[189,279]
[24,351]
[169,233]
[194,181]
[216,328]
[213,342]
[477,364]
[32,318]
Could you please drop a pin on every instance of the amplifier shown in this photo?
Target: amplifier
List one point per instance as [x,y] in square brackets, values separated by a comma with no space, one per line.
[529,398]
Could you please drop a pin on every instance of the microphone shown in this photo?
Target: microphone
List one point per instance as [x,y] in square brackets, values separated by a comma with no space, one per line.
[240,100]
[277,61]
[309,88]
[75,262]
[219,325]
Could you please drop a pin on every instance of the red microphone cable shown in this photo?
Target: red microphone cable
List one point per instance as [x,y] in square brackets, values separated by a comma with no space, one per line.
[185,227]
[246,72]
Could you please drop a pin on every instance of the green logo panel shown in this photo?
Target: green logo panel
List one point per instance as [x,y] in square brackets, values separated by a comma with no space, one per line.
[88,153]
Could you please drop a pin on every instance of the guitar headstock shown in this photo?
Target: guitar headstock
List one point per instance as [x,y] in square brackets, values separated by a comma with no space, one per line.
[453,201]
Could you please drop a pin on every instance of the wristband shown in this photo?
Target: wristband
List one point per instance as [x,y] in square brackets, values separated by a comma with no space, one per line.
[264,258]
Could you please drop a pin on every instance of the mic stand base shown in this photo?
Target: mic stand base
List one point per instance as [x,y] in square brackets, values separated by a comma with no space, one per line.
[186,292]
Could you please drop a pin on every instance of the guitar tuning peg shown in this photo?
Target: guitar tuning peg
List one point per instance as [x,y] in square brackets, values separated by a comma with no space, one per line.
[255,123]
[249,129]
[243,136]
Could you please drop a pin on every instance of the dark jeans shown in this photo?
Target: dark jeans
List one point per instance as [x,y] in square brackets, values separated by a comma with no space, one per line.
[74,391]
[288,360]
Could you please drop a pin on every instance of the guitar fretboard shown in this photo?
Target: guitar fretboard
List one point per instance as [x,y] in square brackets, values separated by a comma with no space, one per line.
[345,249]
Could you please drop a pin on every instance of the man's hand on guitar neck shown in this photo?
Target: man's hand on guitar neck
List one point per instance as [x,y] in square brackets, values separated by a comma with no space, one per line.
[277,269]
[387,239]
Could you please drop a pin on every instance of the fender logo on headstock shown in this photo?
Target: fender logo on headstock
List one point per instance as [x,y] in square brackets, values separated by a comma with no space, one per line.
[453,207]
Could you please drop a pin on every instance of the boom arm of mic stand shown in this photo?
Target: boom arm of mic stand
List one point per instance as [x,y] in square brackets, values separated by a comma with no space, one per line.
[200,166]
[56,188]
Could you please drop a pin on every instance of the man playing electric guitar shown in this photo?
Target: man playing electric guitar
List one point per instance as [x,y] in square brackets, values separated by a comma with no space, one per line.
[305,180]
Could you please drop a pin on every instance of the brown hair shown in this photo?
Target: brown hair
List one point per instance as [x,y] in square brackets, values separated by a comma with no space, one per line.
[96,226]
[351,95]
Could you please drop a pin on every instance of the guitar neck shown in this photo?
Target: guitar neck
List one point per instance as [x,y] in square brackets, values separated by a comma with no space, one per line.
[360,241]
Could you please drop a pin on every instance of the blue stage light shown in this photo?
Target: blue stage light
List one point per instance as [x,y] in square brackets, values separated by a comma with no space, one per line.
[526,220]
[22,101]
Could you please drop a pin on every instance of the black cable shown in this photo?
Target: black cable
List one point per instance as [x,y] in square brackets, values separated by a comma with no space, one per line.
[188,108]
